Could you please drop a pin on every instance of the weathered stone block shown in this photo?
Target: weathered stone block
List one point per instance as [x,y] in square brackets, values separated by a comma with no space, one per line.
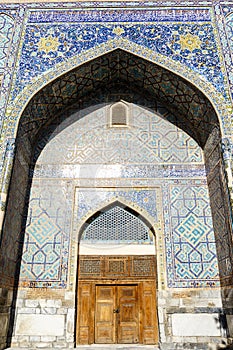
[62,311]
[3,324]
[20,303]
[230,324]
[61,339]
[26,310]
[48,338]
[40,325]
[34,339]
[31,303]
[49,310]
[60,345]
[50,303]
[194,325]
[69,296]
[43,345]
[54,303]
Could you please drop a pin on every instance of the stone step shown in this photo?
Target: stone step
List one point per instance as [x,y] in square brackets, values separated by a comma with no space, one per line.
[98,347]
[95,347]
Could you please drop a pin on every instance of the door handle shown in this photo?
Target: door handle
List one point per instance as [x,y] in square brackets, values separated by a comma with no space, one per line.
[116,311]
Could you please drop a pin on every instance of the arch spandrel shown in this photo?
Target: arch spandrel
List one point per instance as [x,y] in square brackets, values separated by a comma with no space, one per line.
[221,106]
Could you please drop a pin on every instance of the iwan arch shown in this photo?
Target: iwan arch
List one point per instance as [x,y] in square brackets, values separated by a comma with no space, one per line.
[160,173]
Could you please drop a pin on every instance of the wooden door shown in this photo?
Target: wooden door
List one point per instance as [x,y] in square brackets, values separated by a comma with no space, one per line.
[128,316]
[117,314]
[105,320]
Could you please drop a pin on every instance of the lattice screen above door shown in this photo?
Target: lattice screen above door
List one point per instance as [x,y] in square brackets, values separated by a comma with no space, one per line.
[118,224]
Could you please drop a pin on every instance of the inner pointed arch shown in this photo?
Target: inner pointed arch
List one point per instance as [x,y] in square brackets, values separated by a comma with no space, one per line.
[117,223]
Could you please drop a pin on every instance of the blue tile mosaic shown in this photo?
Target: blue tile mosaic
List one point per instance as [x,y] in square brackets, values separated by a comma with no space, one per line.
[198,61]
[47,237]
[10,30]
[6,28]
[191,44]
[227,44]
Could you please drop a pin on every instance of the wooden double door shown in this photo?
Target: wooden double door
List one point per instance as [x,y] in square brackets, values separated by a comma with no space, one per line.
[117,314]
[111,313]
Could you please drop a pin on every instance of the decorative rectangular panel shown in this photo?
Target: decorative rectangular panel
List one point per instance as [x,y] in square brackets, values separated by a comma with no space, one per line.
[111,267]
[141,266]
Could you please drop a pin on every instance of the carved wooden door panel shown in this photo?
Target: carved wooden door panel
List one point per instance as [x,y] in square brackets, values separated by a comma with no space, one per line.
[105,320]
[128,316]
[117,314]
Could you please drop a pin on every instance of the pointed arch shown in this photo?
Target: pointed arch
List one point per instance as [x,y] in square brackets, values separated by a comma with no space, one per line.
[220,105]
[114,204]
[95,81]
[133,207]
[111,77]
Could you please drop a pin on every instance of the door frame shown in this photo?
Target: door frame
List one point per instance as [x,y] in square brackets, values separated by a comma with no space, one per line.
[86,300]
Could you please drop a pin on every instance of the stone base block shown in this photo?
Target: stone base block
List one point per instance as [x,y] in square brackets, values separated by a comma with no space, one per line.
[40,325]
[230,324]
[3,324]
[196,325]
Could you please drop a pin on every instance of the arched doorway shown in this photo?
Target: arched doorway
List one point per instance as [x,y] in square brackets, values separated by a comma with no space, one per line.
[116,297]
[114,77]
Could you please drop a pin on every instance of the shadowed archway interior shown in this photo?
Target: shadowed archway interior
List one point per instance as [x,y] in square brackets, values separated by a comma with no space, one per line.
[115,75]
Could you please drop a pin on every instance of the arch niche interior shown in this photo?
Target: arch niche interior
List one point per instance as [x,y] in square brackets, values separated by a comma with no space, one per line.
[117,75]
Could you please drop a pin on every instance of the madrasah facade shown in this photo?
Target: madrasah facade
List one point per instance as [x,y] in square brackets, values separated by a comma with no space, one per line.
[116,173]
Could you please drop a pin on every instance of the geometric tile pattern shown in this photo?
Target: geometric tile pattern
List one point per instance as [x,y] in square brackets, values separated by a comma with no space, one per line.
[90,200]
[6,31]
[192,238]
[42,244]
[46,243]
[150,139]
[227,31]
[6,34]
